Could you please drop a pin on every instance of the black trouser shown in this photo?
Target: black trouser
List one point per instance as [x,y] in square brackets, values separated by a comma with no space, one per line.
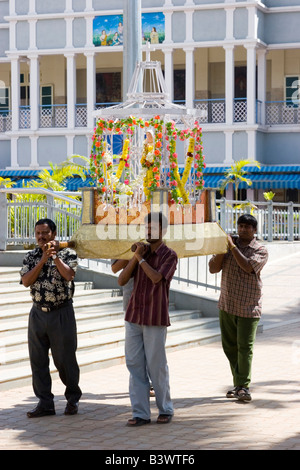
[55,330]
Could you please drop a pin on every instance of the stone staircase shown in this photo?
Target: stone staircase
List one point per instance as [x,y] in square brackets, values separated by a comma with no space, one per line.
[100,328]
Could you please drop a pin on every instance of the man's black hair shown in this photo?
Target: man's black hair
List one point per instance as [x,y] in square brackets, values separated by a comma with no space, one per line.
[247,219]
[48,222]
[157,217]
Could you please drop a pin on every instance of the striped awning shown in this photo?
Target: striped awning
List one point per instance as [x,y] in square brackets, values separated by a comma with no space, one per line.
[267,177]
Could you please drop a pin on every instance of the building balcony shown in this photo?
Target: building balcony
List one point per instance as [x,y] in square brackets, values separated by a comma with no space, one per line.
[210,111]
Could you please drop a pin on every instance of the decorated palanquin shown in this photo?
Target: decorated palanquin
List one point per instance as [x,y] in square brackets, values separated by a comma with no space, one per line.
[144,176]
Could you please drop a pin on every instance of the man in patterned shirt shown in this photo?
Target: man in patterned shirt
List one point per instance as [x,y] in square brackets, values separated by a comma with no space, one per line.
[240,302]
[49,273]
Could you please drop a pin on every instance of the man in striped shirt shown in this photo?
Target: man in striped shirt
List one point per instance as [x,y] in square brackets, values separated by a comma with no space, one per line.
[240,302]
[146,321]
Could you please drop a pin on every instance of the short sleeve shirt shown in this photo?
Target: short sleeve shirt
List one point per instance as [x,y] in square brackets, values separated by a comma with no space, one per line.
[241,292]
[50,289]
[149,302]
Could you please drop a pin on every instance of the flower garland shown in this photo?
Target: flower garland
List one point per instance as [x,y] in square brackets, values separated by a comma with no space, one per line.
[101,159]
[123,159]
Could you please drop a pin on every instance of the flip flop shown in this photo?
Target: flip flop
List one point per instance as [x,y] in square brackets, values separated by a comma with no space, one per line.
[164,419]
[233,393]
[243,394]
[138,421]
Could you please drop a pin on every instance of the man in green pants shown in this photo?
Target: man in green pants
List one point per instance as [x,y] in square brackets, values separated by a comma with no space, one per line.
[240,302]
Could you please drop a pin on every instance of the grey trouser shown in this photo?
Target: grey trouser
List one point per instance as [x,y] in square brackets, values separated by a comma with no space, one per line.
[145,353]
[55,330]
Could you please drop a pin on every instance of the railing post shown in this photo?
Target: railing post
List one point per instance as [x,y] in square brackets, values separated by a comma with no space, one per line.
[270,221]
[248,206]
[223,213]
[290,221]
[50,211]
[3,218]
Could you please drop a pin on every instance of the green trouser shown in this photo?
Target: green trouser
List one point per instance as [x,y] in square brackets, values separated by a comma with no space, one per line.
[238,336]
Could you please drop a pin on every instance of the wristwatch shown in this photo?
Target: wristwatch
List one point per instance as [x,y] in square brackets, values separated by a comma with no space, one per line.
[54,256]
[141,261]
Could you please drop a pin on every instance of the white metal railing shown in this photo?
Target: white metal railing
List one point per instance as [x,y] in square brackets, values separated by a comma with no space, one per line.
[282,112]
[54,115]
[276,221]
[19,214]
[5,120]
[209,111]
[24,117]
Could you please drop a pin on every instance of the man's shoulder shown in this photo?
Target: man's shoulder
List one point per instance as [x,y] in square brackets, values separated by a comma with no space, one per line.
[258,245]
[33,253]
[68,252]
[164,250]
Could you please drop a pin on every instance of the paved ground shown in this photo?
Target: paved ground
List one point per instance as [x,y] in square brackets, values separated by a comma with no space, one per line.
[204,418]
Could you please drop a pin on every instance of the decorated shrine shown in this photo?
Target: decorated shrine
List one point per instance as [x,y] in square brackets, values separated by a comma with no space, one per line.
[145,175]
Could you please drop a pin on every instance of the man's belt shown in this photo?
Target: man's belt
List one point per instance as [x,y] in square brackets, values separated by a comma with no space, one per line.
[50,309]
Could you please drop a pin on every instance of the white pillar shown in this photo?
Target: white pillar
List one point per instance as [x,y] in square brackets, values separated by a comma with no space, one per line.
[15,92]
[69,6]
[31,10]
[12,7]
[251,145]
[12,35]
[251,84]
[89,5]
[32,34]
[14,152]
[261,84]
[229,83]
[34,92]
[70,145]
[228,147]
[69,32]
[90,87]
[71,89]
[34,151]
[189,26]
[89,31]
[252,22]
[168,27]
[189,78]
[169,72]
[229,23]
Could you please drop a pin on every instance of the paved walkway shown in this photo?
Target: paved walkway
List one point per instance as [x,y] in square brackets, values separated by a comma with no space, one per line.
[204,418]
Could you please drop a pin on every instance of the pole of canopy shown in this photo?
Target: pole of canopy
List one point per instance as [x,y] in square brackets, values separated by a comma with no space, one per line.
[132,40]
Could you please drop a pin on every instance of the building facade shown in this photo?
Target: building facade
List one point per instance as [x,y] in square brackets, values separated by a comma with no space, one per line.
[236,61]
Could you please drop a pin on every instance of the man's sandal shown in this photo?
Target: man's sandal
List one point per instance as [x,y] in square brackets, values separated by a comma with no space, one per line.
[233,392]
[243,394]
[138,422]
[164,419]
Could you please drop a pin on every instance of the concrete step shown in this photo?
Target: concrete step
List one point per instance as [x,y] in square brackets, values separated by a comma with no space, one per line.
[100,328]
[104,350]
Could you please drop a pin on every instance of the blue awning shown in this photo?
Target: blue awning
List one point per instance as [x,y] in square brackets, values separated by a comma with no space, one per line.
[267,177]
